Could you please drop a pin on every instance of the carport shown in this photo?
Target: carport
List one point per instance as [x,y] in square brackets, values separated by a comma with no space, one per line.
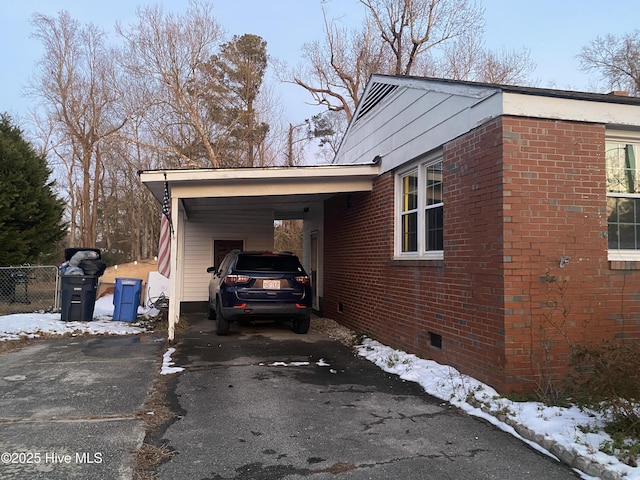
[216,209]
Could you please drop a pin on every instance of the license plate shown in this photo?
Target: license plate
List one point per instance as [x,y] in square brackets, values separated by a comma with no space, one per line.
[271,284]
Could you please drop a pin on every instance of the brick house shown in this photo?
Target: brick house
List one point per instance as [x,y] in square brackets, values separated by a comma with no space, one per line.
[486,227]
[503,226]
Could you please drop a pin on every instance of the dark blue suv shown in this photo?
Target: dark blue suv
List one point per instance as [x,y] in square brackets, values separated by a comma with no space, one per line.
[259,285]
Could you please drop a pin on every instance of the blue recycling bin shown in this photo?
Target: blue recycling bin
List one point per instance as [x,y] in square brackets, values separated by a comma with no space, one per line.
[126,299]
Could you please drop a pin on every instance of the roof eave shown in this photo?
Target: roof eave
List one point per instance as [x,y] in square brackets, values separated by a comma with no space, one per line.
[261,180]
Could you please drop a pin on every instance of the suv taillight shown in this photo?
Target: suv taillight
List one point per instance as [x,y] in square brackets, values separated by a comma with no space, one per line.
[303,279]
[235,279]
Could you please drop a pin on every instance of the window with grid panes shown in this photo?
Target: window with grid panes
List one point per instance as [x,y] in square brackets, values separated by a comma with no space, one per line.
[623,197]
[434,207]
[420,219]
[409,215]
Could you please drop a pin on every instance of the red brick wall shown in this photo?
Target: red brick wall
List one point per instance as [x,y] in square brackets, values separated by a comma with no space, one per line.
[519,195]
[358,244]
[555,208]
[473,254]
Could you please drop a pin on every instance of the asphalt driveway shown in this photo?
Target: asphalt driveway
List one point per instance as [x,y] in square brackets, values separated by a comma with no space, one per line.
[70,407]
[264,403]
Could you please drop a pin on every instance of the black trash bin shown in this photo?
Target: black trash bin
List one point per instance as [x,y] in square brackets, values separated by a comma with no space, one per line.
[78,297]
[78,292]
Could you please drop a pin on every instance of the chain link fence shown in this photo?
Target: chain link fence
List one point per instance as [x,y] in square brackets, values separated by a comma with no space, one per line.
[28,288]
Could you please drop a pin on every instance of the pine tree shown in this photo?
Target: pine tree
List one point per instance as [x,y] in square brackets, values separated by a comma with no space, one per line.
[234,79]
[30,214]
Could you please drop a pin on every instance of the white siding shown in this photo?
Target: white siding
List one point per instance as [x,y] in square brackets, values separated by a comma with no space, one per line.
[419,115]
[255,228]
[413,121]
[571,109]
[389,124]
[314,222]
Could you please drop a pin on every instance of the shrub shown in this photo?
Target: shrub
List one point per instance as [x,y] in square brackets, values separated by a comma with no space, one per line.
[606,378]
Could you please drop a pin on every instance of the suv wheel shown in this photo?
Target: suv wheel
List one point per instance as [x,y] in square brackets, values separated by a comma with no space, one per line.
[301,326]
[222,324]
[212,313]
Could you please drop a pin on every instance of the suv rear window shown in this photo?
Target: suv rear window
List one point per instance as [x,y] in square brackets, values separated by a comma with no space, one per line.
[274,263]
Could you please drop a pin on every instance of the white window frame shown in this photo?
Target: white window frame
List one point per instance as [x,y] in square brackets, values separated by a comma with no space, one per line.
[622,137]
[420,167]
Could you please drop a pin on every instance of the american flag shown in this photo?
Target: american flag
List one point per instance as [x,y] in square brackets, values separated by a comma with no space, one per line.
[164,245]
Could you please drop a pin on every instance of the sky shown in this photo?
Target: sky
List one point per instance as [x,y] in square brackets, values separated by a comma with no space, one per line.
[532,422]
[553,31]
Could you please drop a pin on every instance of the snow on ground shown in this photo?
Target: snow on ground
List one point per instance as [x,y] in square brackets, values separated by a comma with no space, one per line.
[167,363]
[556,429]
[33,325]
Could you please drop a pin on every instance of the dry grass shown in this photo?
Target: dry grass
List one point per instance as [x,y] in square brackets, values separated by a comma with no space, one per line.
[157,404]
[157,415]
[335,331]
[160,324]
[148,457]
[9,346]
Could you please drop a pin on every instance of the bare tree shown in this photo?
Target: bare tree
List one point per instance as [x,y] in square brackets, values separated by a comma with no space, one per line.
[616,59]
[106,114]
[288,236]
[394,37]
[506,67]
[125,207]
[467,59]
[338,68]
[404,37]
[411,27]
[54,147]
[458,59]
[269,110]
[72,87]
[130,220]
[167,52]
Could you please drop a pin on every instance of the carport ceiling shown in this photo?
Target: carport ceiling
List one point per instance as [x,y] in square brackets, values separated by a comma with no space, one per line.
[283,207]
[278,203]
[281,189]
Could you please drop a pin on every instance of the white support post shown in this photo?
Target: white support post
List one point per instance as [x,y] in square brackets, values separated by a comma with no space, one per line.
[174,300]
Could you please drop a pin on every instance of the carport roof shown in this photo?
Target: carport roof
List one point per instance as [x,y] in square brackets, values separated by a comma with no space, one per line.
[260,181]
